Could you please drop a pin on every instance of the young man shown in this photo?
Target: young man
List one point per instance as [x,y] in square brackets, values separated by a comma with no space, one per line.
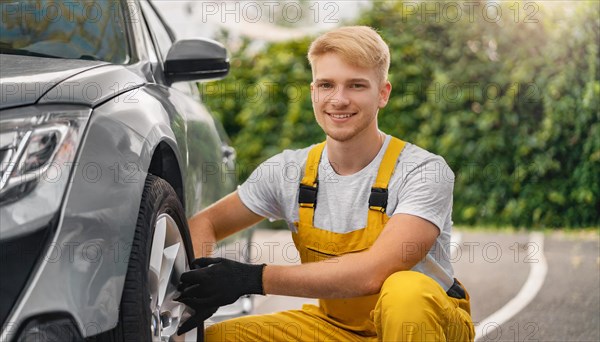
[369,214]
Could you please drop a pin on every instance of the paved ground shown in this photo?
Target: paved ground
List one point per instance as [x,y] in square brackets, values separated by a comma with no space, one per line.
[522,289]
[567,308]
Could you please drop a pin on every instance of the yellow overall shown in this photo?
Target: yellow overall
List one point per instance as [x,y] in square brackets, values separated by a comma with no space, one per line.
[410,307]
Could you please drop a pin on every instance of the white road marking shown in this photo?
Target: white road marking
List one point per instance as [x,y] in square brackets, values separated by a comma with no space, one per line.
[533,284]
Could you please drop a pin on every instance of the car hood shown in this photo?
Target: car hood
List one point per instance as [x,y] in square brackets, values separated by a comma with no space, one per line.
[27,80]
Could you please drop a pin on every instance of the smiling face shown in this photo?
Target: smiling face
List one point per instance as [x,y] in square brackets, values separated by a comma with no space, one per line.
[347,98]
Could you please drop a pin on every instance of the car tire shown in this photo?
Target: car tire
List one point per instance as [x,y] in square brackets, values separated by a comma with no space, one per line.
[147,311]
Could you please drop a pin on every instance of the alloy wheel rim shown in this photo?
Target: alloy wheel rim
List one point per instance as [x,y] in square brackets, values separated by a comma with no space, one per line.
[167,263]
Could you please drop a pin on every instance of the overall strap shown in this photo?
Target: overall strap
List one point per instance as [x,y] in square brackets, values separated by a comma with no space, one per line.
[379,191]
[307,198]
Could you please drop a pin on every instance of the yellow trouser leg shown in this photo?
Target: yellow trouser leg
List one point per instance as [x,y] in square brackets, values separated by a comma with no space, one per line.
[411,307]
[414,307]
[293,325]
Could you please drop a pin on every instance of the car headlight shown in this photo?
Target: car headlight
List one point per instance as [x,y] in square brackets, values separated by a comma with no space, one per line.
[38,145]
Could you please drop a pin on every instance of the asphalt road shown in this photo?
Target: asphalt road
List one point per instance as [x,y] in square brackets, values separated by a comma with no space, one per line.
[523,287]
[567,305]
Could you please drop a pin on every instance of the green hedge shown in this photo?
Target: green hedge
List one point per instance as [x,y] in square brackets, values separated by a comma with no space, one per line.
[511,102]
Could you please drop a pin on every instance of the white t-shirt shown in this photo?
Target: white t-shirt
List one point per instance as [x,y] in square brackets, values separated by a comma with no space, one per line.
[421,185]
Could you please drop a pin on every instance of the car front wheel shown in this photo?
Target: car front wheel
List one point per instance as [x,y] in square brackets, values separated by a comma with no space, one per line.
[159,255]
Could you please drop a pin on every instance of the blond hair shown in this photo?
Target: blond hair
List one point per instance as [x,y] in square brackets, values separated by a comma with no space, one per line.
[360,46]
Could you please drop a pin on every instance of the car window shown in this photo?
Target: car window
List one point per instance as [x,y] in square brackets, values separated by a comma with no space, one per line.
[94,29]
[160,35]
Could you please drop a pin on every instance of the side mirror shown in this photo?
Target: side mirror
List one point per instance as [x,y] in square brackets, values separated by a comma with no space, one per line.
[196,59]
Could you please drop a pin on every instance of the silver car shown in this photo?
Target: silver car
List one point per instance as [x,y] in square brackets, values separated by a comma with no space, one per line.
[105,151]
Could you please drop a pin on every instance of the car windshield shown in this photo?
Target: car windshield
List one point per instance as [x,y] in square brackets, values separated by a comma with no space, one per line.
[77,29]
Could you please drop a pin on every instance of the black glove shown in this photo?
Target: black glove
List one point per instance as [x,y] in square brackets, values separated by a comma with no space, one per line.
[216,282]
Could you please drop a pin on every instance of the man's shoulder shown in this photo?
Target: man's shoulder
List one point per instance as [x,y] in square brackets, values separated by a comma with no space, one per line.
[414,157]
[287,156]
[416,154]
[297,154]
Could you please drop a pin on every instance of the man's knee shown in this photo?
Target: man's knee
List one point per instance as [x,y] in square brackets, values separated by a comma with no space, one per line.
[409,287]
[409,295]
[410,307]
